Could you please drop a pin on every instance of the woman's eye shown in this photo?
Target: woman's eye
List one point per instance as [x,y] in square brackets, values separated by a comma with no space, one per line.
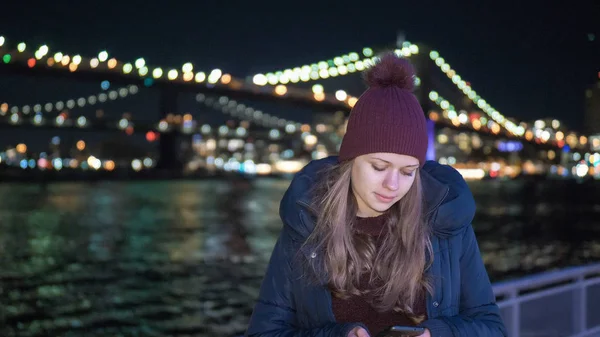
[409,174]
[378,168]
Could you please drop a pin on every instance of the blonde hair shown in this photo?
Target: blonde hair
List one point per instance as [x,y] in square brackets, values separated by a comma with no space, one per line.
[396,269]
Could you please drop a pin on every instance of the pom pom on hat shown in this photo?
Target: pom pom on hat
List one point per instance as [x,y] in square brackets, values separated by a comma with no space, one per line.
[391,70]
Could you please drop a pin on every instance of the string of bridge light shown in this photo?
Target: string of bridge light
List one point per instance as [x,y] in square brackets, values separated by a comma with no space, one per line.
[249,114]
[80,102]
[139,68]
[517,130]
[186,122]
[63,120]
[459,118]
[242,111]
[541,134]
[186,72]
[345,64]
[349,63]
[337,66]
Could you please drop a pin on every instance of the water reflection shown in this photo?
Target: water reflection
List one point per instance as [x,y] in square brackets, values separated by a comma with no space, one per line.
[186,258]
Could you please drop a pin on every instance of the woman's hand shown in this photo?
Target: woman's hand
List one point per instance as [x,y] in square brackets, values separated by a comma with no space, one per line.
[425,334]
[360,332]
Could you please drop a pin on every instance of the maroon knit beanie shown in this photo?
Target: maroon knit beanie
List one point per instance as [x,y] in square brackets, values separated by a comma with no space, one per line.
[387,117]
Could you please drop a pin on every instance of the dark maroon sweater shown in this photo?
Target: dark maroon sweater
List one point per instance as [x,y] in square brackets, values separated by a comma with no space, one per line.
[356,308]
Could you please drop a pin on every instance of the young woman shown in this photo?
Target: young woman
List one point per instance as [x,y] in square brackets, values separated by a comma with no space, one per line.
[378,237]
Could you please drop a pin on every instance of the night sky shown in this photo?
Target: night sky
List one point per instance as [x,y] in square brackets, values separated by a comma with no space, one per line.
[528,59]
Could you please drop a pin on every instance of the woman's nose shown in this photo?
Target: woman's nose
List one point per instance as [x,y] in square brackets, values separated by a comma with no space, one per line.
[392,181]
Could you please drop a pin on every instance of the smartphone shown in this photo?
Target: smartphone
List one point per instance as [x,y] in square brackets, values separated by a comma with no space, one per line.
[402,331]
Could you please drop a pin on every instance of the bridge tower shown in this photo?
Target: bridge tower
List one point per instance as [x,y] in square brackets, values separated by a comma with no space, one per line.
[169,158]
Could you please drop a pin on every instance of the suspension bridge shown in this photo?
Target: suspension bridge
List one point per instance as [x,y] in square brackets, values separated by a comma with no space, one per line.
[448,99]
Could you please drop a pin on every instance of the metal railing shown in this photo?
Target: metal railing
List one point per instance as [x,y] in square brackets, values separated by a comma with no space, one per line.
[562,303]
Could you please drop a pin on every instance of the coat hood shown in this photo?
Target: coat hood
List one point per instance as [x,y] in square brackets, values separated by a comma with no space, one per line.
[448,200]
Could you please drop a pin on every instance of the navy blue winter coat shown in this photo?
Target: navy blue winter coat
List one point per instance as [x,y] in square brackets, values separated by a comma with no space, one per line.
[463,303]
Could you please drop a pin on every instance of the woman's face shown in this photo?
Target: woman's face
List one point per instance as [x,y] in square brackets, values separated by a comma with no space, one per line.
[379,180]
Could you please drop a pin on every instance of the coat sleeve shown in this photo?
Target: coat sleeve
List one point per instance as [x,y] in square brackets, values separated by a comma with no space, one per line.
[274,313]
[479,314]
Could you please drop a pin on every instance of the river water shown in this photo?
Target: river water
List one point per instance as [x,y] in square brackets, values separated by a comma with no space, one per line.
[185,258]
